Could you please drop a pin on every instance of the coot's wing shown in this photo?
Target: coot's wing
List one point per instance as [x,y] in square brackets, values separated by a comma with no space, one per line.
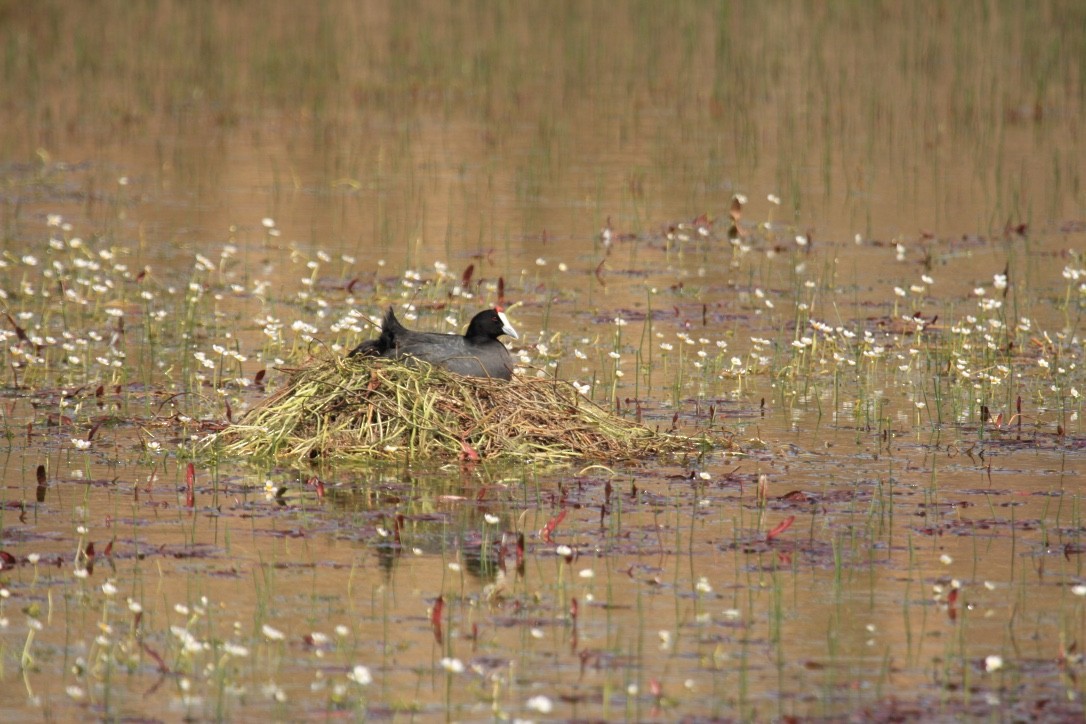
[390,330]
[456,354]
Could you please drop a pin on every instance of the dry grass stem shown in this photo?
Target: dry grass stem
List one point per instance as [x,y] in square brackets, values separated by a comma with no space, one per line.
[354,409]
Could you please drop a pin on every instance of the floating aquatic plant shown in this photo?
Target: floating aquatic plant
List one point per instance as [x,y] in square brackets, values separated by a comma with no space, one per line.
[335,408]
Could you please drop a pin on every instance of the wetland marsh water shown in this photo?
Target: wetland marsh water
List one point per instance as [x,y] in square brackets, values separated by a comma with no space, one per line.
[195,192]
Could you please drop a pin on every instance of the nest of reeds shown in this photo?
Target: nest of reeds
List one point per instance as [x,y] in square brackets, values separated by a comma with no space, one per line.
[364,408]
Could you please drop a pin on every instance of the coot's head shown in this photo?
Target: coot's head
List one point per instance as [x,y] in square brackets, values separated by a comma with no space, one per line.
[490,324]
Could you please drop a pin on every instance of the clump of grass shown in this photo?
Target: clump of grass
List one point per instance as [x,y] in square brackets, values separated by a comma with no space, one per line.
[344,409]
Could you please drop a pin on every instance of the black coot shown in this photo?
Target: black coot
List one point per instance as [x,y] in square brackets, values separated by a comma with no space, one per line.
[477,354]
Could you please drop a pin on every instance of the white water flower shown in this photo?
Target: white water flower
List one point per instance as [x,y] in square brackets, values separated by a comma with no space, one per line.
[541,704]
[235,650]
[361,675]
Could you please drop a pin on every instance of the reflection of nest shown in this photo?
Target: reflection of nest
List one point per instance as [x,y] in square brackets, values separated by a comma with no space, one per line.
[361,408]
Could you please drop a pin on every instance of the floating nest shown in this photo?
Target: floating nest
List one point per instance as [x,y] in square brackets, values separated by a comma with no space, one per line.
[364,408]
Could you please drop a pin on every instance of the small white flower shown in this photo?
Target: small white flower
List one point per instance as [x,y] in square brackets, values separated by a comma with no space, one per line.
[945,559]
[272,634]
[992,663]
[274,691]
[453,666]
[541,704]
[361,675]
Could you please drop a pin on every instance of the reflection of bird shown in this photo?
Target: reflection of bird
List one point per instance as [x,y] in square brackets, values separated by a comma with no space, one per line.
[476,354]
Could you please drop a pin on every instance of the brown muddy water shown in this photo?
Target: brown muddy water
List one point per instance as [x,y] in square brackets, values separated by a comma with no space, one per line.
[885,335]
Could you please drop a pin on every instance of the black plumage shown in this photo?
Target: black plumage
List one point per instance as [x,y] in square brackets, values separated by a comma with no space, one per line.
[477,353]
